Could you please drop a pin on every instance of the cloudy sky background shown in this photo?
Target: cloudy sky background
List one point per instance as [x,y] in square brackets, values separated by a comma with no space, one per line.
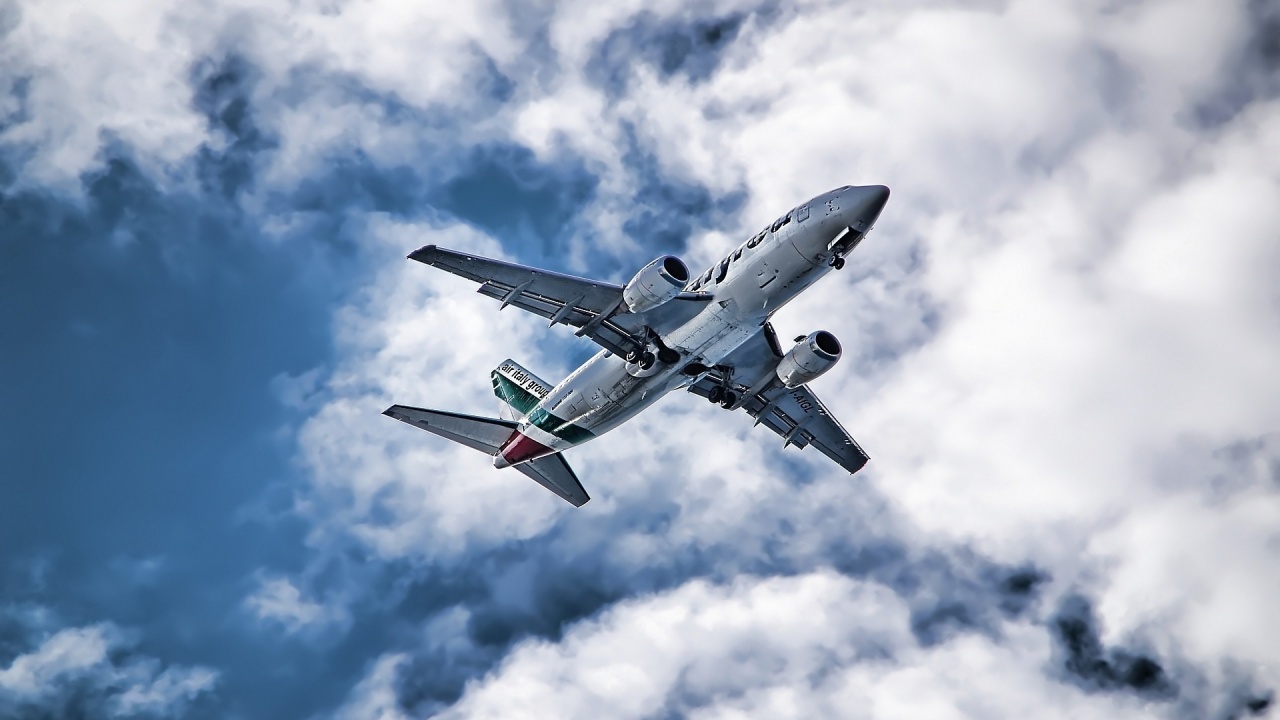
[1062,351]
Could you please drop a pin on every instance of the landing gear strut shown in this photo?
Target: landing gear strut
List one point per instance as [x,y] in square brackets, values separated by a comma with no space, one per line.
[723,396]
[645,358]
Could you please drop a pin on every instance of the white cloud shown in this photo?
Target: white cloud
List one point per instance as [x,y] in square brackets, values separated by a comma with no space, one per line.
[816,645]
[375,698]
[94,668]
[1068,307]
[278,600]
[94,73]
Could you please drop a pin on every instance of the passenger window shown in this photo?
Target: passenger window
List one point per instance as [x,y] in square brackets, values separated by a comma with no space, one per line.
[722,270]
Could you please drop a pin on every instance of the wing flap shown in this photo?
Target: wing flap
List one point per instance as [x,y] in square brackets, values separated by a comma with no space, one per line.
[553,473]
[797,415]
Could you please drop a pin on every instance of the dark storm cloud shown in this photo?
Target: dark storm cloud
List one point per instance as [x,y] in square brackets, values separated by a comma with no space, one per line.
[693,50]
[1086,662]
[1095,667]
[950,592]
[1255,75]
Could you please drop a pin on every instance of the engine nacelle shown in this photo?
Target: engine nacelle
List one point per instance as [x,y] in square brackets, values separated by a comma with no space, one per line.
[656,283]
[812,355]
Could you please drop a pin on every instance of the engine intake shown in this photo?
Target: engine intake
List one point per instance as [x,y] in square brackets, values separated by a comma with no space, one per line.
[656,283]
[812,356]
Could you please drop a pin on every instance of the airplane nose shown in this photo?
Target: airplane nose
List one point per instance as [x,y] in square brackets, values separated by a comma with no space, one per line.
[865,203]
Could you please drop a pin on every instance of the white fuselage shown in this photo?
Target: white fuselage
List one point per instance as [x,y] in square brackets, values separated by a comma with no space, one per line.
[746,288]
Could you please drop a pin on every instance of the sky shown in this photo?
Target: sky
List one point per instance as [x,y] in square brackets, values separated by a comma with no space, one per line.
[1062,344]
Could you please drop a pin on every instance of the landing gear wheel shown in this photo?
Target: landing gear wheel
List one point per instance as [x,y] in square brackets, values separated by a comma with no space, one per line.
[646,360]
[633,356]
[716,395]
[729,399]
[837,262]
[668,356]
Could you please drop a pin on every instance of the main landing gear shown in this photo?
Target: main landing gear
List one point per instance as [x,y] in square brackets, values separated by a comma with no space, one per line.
[645,358]
[723,396]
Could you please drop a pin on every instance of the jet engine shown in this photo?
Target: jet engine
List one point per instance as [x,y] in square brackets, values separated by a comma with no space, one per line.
[656,283]
[812,355]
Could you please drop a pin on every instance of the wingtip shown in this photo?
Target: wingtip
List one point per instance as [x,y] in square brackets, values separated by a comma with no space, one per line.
[424,250]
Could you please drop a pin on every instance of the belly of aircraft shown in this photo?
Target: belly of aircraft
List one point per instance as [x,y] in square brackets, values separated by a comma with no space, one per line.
[602,395]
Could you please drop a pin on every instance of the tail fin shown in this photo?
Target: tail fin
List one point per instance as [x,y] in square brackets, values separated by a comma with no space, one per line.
[488,436]
[484,434]
[517,387]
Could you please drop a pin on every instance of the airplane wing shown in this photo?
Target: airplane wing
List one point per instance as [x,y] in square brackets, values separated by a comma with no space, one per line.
[592,306]
[795,414]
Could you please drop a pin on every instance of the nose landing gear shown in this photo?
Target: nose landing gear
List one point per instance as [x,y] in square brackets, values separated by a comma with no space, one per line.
[837,262]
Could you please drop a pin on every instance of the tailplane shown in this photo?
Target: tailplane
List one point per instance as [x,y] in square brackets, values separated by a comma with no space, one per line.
[488,435]
[554,474]
[484,434]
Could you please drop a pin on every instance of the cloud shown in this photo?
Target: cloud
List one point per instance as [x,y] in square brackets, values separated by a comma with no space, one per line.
[814,645]
[1061,337]
[279,600]
[1060,321]
[93,671]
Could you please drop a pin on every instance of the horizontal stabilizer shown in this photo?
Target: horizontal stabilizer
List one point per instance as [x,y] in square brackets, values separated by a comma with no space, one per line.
[484,434]
[554,474]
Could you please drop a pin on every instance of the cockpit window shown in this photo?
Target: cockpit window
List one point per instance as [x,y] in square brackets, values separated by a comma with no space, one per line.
[736,254]
[755,240]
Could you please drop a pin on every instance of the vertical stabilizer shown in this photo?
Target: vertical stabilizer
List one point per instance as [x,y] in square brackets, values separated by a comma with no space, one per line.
[517,388]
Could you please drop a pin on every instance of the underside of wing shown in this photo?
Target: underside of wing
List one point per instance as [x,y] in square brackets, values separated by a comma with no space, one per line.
[594,307]
[484,434]
[795,414]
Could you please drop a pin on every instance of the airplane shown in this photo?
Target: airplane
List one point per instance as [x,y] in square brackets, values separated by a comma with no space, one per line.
[661,332]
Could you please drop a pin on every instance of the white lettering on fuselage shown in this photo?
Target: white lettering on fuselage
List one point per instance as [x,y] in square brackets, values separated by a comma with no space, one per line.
[524,379]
